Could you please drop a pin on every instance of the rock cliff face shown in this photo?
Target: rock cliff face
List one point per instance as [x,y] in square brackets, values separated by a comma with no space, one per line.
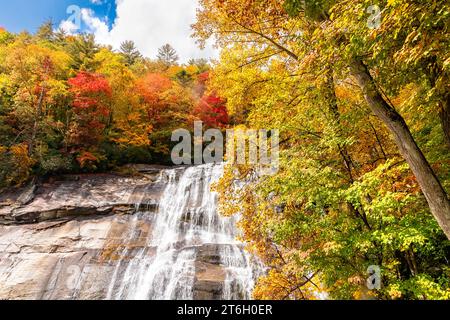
[156,236]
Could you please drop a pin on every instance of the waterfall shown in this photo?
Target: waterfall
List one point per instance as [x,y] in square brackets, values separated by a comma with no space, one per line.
[188,238]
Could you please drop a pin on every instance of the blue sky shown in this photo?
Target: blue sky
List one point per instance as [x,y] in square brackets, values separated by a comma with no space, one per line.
[149,23]
[19,15]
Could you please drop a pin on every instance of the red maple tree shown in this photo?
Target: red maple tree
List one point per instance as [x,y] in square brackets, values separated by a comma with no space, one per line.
[90,106]
[212,110]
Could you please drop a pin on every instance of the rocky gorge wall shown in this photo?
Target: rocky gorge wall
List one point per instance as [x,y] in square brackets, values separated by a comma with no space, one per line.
[154,236]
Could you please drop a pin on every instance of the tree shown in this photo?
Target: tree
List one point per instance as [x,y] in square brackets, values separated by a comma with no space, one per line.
[45,31]
[16,165]
[82,49]
[212,111]
[168,105]
[129,51]
[335,189]
[61,36]
[5,36]
[92,94]
[155,90]
[201,64]
[167,55]
[129,122]
[247,23]
[33,85]
[64,98]
[431,187]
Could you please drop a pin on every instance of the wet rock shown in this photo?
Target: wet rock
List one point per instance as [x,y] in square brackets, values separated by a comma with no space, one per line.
[103,237]
[88,195]
[66,259]
[208,290]
[28,194]
[146,168]
[209,280]
[212,253]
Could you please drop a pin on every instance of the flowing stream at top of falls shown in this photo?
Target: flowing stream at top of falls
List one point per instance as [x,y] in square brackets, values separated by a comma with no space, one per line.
[189,239]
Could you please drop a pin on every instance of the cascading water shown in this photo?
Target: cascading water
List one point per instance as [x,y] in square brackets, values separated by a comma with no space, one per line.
[186,225]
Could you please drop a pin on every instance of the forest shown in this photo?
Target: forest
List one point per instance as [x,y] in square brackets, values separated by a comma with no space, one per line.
[361,99]
[69,105]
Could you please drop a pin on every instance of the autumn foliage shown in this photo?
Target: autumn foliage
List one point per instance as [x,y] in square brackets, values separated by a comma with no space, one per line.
[153,89]
[72,105]
[363,113]
[90,105]
[212,111]
[362,109]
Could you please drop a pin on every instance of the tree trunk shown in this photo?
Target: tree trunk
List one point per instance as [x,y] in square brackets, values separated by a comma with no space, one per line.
[333,110]
[433,70]
[431,187]
[36,121]
[38,116]
[444,114]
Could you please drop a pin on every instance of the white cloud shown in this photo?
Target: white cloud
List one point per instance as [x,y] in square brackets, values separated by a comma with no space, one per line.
[151,24]
[68,26]
[95,25]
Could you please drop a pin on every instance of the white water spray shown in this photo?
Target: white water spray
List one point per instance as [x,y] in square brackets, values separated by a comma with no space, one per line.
[186,222]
